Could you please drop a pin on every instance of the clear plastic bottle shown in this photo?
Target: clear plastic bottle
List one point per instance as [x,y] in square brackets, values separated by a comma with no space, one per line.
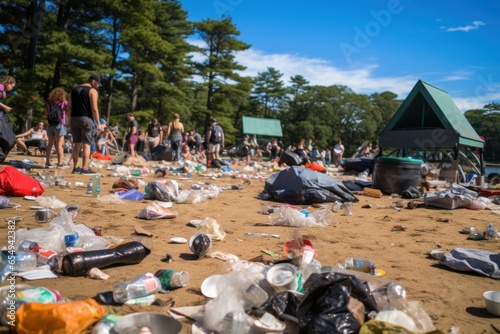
[360,264]
[171,279]
[390,295]
[16,262]
[28,246]
[141,286]
[96,185]
[105,324]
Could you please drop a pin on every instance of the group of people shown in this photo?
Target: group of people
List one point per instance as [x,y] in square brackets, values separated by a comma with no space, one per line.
[79,112]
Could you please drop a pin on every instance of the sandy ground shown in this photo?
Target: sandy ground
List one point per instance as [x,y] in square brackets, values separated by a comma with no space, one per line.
[452,299]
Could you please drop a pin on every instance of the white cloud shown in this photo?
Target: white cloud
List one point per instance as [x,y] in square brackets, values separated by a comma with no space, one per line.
[361,80]
[475,26]
[320,72]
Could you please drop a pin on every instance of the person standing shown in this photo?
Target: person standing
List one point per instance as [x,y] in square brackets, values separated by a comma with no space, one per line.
[132,136]
[85,121]
[215,137]
[56,128]
[338,152]
[7,135]
[175,130]
[155,134]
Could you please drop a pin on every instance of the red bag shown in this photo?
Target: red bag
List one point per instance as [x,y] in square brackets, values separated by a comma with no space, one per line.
[15,183]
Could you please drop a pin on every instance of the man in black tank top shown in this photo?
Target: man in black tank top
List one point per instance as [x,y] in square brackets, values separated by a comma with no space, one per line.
[84,121]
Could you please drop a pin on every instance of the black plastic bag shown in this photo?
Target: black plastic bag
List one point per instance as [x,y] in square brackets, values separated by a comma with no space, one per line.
[324,306]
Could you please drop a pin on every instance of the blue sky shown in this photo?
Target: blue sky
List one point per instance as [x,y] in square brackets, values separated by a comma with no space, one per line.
[370,46]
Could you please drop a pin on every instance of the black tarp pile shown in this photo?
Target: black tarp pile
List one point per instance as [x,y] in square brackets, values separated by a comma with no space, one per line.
[298,185]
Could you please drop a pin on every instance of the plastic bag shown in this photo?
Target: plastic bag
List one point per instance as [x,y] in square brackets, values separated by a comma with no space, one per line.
[47,237]
[160,192]
[50,202]
[191,197]
[109,199]
[286,215]
[156,211]
[212,227]
[62,317]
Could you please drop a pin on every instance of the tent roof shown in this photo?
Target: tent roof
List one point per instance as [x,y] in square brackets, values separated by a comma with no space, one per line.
[428,118]
[262,126]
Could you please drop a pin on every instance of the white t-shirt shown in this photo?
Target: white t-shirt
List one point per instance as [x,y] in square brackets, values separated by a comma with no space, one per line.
[37,134]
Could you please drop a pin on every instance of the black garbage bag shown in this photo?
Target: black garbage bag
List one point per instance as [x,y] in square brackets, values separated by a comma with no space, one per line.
[298,185]
[282,305]
[324,308]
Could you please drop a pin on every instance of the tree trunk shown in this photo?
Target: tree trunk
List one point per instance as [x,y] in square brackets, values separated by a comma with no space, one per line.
[34,13]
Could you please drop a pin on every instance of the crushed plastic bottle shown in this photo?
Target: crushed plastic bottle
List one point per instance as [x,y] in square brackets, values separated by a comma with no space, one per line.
[141,286]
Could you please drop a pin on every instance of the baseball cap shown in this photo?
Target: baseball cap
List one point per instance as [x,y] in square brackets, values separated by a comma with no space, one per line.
[213,120]
[95,77]
[103,121]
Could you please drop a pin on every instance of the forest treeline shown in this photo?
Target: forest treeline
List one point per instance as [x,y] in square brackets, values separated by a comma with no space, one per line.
[142,52]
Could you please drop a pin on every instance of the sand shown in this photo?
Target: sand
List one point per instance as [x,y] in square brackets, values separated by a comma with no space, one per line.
[452,299]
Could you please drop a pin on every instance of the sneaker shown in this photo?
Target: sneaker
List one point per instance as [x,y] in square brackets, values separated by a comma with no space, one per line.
[76,170]
[62,166]
[48,166]
[87,172]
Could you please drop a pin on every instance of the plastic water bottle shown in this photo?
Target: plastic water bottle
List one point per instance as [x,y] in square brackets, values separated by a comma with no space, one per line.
[105,324]
[141,286]
[96,185]
[171,279]
[16,262]
[360,264]
[28,246]
[391,294]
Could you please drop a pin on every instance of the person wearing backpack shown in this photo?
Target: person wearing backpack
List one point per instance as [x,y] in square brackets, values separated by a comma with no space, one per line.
[56,113]
[215,136]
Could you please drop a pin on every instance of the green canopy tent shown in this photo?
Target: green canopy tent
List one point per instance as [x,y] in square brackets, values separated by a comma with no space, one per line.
[429,120]
[262,126]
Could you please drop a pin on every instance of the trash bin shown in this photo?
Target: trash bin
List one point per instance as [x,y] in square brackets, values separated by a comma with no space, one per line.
[394,175]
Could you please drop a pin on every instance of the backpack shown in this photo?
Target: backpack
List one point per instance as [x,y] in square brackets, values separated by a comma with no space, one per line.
[54,116]
[216,136]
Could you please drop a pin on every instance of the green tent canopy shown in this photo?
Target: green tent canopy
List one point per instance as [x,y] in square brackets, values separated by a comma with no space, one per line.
[262,126]
[429,119]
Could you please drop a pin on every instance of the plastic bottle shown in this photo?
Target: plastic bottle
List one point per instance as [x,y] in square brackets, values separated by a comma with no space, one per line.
[28,245]
[78,264]
[141,286]
[391,294]
[104,325]
[16,262]
[96,185]
[360,264]
[171,279]
[48,257]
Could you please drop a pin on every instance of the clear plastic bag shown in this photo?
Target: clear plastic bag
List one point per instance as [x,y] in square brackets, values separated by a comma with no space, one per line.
[50,202]
[286,215]
[47,237]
